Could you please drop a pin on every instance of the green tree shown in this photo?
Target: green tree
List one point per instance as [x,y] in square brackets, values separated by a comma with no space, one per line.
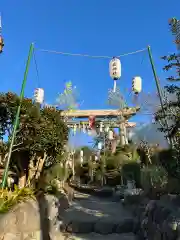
[40,137]
[87,153]
[172,109]
[172,96]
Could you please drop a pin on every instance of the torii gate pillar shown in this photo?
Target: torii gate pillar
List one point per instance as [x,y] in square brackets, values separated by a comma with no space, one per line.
[123,134]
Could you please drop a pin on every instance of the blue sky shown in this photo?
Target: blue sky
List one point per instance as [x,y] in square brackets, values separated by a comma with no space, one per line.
[96,27]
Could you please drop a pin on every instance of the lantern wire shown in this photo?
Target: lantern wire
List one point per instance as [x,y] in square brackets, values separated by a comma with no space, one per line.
[90,56]
[37,71]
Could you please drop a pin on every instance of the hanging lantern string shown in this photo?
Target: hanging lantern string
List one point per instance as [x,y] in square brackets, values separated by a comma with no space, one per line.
[89,56]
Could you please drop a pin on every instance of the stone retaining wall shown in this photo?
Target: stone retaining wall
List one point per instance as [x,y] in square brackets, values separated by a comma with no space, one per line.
[159,219]
[153,220]
[27,219]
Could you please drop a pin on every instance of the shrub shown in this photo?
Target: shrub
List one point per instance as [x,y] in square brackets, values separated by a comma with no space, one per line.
[154,177]
[58,172]
[131,171]
[113,162]
[52,188]
[170,162]
[113,177]
[9,198]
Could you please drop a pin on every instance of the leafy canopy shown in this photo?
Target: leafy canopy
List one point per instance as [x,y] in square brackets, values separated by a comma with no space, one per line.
[39,129]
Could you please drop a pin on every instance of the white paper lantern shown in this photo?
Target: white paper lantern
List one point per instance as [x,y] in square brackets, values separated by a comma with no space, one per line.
[137,85]
[101,127]
[81,156]
[115,68]
[130,135]
[107,129]
[74,129]
[89,132]
[84,128]
[96,158]
[39,95]
[81,153]
[99,145]
[110,135]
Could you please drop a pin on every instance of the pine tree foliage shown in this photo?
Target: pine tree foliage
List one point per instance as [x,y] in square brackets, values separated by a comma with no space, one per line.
[171,104]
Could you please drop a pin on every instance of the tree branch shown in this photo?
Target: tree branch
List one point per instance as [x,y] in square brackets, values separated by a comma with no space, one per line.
[17,145]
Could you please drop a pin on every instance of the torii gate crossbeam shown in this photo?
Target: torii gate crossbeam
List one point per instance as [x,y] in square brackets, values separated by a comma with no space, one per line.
[106,113]
[127,112]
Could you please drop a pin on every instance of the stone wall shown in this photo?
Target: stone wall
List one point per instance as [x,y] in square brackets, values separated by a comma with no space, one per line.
[41,219]
[159,219]
[46,218]
[33,219]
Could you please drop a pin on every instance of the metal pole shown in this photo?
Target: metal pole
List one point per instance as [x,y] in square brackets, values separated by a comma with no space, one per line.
[159,91]
[5,175]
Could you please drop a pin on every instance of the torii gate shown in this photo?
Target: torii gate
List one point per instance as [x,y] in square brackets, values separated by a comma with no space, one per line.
[126,113]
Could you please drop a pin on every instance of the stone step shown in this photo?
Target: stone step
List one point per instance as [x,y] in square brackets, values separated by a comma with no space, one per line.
[88,214]
[94,236]
[100,227]
[60,236]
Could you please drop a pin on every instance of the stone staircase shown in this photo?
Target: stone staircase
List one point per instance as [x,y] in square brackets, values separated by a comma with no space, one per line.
[93,218]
